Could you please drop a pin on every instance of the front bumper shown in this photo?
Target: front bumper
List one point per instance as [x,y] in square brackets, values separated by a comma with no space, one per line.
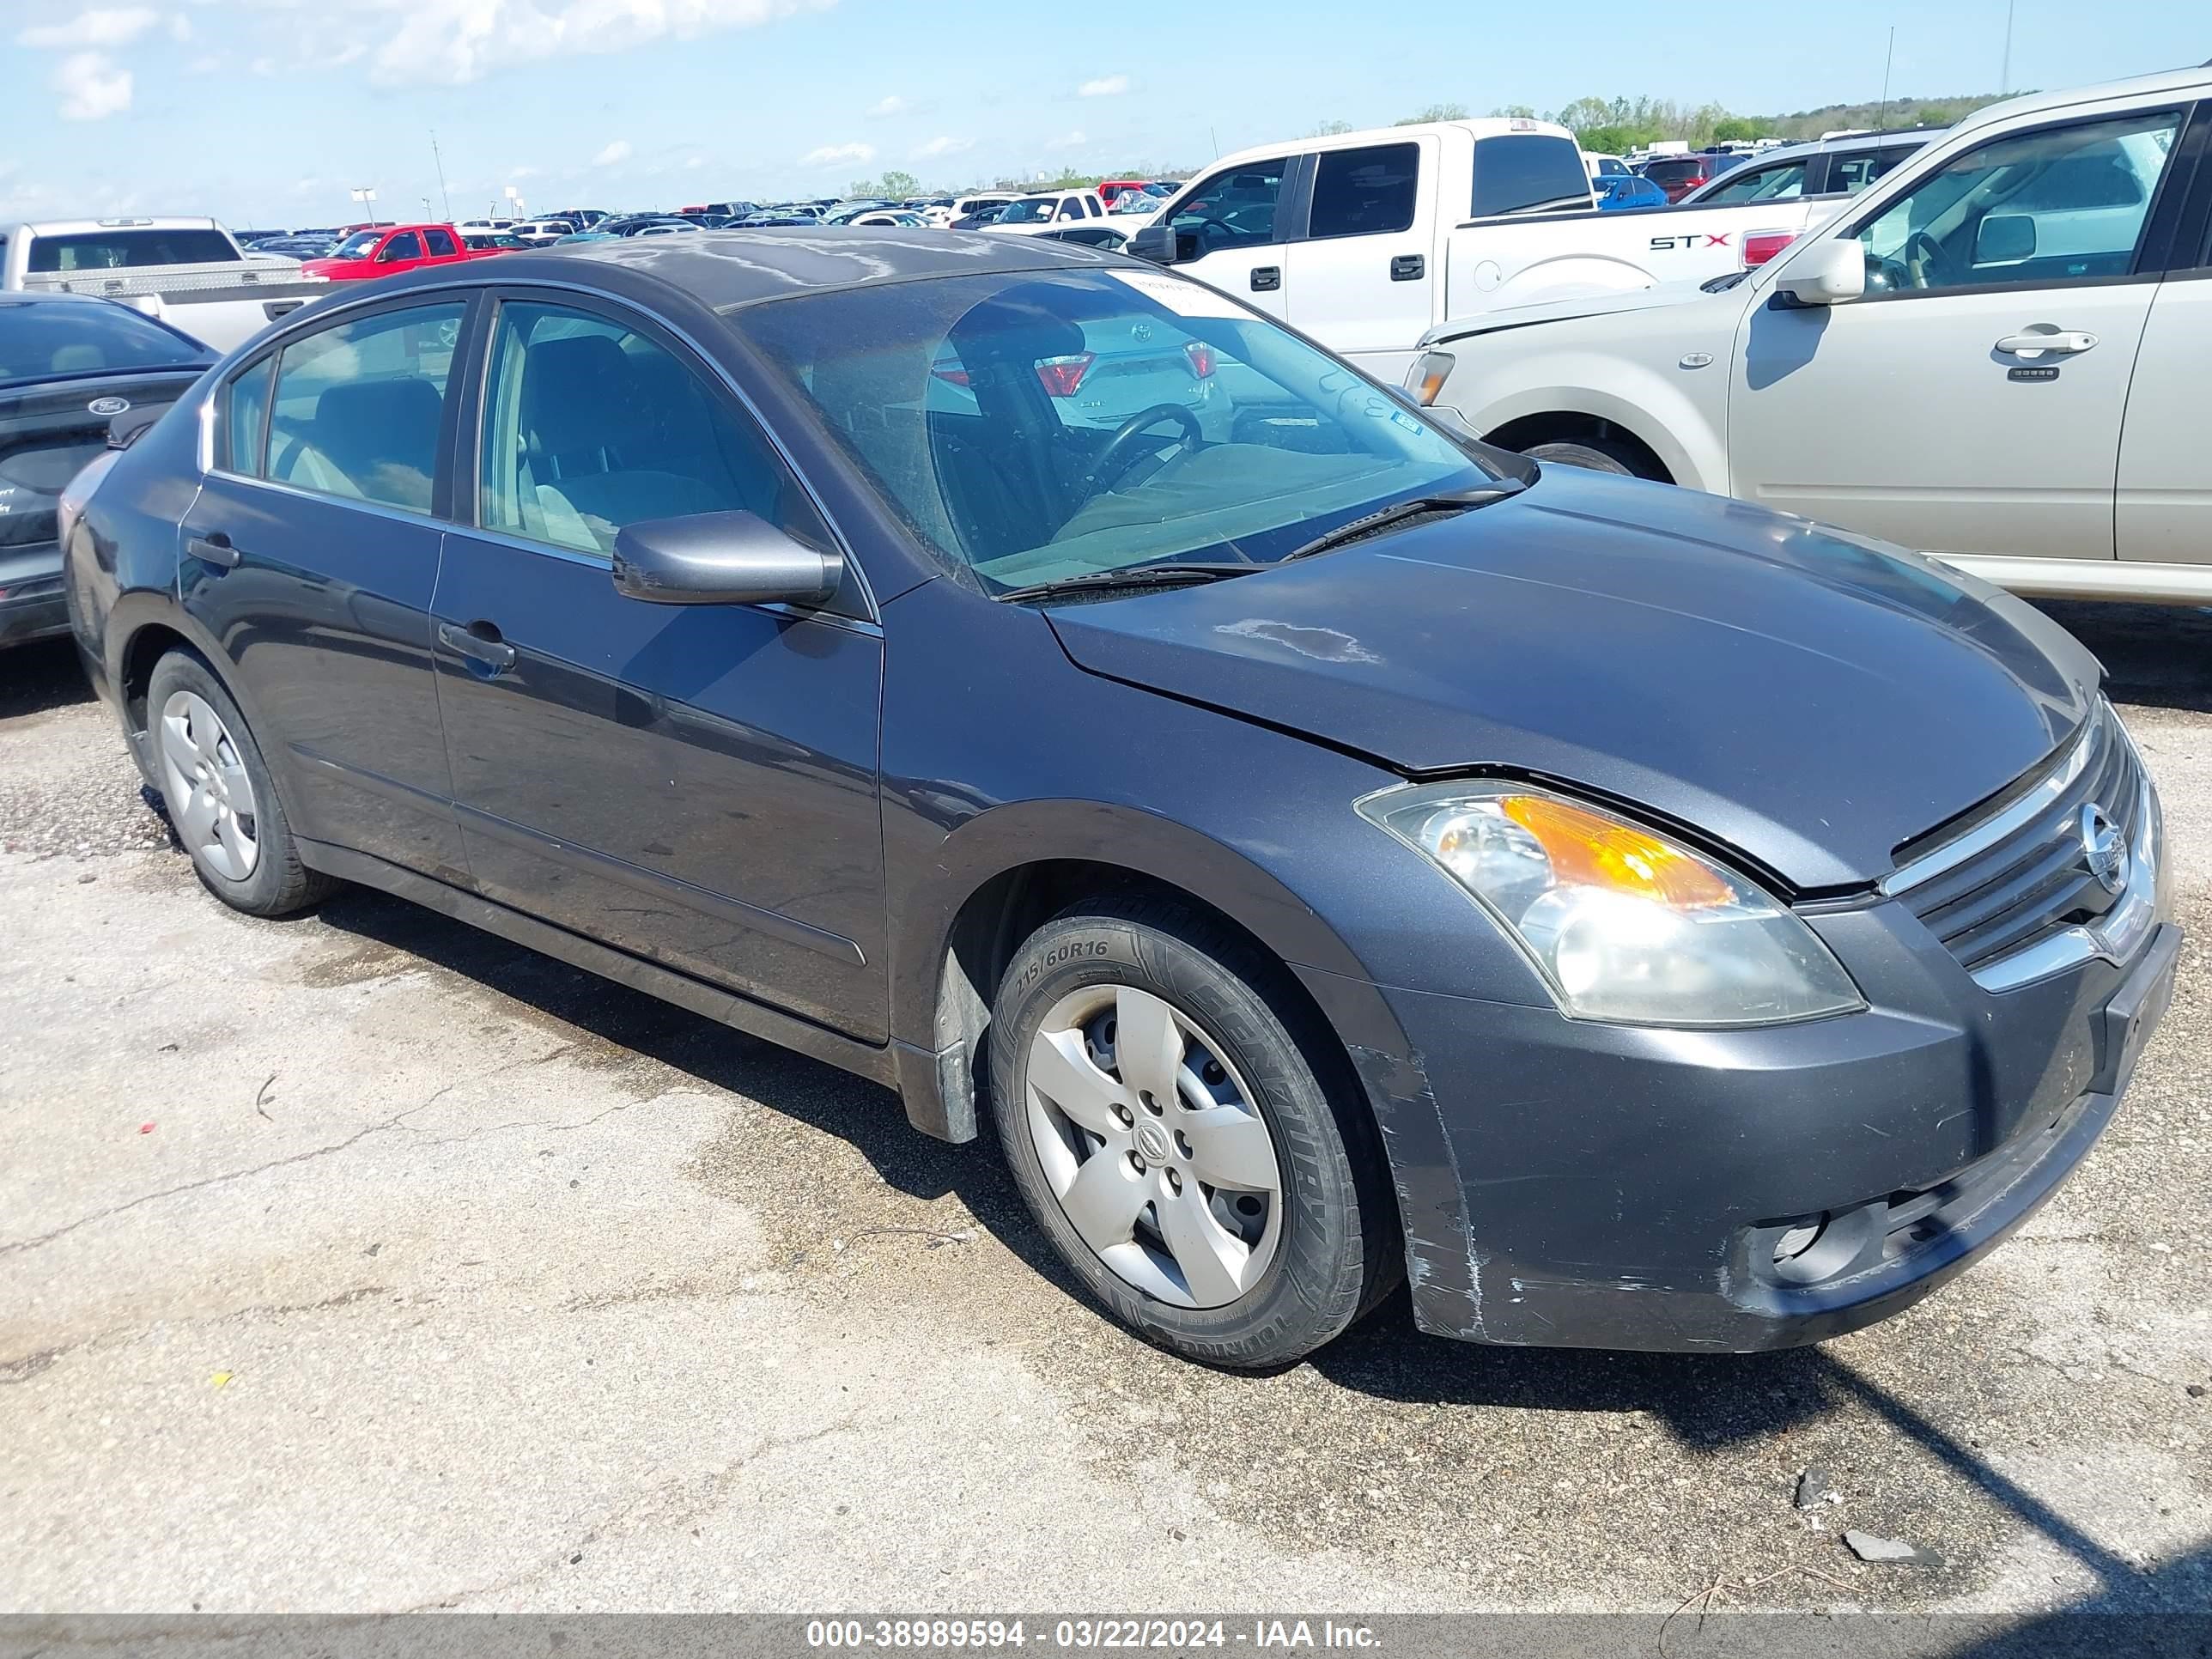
[1731,1191]
[32,605]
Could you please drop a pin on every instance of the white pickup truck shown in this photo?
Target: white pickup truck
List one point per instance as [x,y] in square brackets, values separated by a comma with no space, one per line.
[190,273]
[1997,354]
[1365,240]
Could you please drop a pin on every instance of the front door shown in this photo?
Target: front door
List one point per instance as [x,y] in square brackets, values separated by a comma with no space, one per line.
[693,784]
[1232,233]
[343,464]
[1972,401]
[1362,283]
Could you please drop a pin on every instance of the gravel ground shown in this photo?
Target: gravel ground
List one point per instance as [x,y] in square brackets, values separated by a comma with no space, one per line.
[364,1263]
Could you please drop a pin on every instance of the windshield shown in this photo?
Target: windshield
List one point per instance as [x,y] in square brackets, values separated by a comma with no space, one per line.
[1032,210]
[357,246]
[1033,427]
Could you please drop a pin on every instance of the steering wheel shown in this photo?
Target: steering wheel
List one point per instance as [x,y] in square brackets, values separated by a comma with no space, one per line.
[1924,259]
[1206,224]
[1122,452]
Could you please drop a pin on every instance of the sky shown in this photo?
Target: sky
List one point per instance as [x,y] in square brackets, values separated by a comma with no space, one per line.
[268,113]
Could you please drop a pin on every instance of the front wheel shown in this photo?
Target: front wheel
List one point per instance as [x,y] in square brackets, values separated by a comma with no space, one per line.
[1167,1127]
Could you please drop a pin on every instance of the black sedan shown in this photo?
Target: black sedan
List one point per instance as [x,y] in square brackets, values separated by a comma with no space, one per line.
[1325,849]
[69,365]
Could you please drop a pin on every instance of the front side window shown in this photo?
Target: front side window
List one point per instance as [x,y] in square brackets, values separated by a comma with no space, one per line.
[1235,208]
[1030,210]
[405,246]
[1528,172]
[590,425]
[358,406]
[1783,182]
[1071,208]
[1365,192]
[1035,425]
[2066,204]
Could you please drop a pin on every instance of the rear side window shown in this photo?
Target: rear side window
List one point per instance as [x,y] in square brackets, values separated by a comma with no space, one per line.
[121,250]
[590,426]
[1528,172]
[1784,181]
[1366,192]
[441,243]
[358,406]
[245,418]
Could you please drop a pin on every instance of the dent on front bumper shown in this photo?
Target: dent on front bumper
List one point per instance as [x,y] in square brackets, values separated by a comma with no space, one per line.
[1564,1183]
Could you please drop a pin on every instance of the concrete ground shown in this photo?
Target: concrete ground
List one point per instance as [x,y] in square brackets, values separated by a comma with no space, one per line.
[364,1263]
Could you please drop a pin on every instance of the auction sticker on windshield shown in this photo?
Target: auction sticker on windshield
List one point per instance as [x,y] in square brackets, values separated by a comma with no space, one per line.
[1185,299]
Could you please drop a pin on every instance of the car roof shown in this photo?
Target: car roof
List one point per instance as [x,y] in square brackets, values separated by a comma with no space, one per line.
[727,269]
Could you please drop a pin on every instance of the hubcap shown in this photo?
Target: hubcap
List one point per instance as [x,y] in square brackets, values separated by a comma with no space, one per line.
[1151,1143]
[202,779]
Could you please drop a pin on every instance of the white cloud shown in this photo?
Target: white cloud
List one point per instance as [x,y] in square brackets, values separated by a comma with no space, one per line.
[1106,86]
[893,104]
[832,155]
[91,87]
[937,146]
[99,25]
[1069,141]
[452,42]
[695,163]
[613,155]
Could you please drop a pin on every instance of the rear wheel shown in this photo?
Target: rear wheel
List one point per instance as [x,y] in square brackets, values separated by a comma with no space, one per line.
[222,801]
[1593,454]
[1178,1144]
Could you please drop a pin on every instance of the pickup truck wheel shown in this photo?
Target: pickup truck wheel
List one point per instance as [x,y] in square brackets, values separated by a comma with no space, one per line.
[1176,1144]
[1596,455]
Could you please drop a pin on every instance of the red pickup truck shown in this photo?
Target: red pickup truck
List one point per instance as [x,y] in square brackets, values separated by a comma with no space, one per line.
[387,250]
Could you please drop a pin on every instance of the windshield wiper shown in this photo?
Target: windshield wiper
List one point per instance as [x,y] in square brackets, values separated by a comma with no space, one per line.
[1359,529]
[1139,575]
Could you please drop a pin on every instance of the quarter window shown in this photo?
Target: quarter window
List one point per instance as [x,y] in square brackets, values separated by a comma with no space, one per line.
[1365,192]
[245,418]
[1234,209]
[358,406]
[590,426]
[2067,204]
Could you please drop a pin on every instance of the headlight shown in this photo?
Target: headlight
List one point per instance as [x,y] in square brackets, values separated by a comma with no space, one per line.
[1624,924]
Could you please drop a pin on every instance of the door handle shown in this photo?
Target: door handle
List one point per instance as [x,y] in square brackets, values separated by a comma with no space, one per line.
[1408,267]
[479,643]
[214,549]
[1265,279]
[2034,342]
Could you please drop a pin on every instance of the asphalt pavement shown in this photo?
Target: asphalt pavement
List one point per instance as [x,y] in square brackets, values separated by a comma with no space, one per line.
[364,1263]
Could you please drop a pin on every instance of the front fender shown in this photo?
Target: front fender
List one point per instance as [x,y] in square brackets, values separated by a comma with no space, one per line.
[1680,416]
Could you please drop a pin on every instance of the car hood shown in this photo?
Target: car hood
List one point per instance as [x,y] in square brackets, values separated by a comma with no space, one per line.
[1806,698]
[1615,303]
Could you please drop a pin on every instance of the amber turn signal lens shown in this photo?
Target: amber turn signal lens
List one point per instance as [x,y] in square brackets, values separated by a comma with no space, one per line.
[1588,850]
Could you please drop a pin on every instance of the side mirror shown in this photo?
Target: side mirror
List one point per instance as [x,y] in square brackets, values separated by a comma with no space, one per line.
[1156,243]
[1827,272]
[721,558]
[2005,239]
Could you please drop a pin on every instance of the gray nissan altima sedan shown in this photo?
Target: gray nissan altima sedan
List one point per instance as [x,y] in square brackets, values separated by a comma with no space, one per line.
[1321,850]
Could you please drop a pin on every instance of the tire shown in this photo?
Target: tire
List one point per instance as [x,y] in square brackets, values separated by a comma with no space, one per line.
[221,802]
[1595,456]
[1175,1246]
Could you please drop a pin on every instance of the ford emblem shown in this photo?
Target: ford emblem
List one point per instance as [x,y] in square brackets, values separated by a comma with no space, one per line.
[107,405]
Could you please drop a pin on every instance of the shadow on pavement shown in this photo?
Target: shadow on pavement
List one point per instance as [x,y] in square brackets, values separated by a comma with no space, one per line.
[36,678]
[2159,655]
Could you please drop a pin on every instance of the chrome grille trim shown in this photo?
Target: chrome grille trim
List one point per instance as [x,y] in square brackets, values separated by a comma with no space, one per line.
[2003,825]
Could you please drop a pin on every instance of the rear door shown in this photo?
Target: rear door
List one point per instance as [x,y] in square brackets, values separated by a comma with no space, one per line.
[439,246]
[311,554]
[695,784]
[1362,281]
[1234,226]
